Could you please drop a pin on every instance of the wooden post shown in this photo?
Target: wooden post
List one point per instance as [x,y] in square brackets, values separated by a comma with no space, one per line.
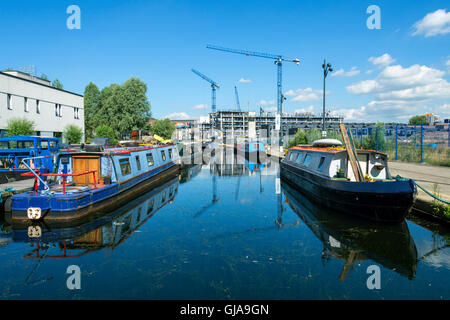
[351,154]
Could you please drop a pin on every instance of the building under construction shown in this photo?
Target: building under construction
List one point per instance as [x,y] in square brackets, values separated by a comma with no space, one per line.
[248,124]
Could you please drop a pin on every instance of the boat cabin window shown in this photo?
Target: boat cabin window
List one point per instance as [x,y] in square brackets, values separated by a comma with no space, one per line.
[125,167]
[4,145]
[307,159]
[300,157]
[25,144]
[53,144]
[150,161]
[138,163]
[321,162]
[44,145]
[170,153]
[150,206]
[293,156]
[163,155]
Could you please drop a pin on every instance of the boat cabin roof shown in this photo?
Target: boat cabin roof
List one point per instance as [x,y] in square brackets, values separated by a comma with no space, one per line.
[27,138]
[111,151]
[332,150]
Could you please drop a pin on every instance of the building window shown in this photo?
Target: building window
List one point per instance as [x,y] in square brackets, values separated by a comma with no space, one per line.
[58,110]
[25,104]
[76,113]
[38,108]
[8,101]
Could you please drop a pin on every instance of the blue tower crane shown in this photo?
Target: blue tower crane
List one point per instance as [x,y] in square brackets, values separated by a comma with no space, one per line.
[278,61]
[238,105]
[214,85]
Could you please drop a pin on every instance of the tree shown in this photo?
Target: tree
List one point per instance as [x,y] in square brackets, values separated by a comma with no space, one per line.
[57,84]
[72,134]
[44,76]
[20,127]
[163,128]
[299,138]
[416,120]
[124,107]
[91,105]
[104,131]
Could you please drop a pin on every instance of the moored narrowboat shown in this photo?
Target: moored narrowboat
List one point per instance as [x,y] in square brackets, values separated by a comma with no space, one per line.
[14,149]
[324,173]
[86,181]
[254,151]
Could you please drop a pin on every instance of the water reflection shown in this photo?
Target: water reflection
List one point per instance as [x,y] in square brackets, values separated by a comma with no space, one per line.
[349,239]
[107,231]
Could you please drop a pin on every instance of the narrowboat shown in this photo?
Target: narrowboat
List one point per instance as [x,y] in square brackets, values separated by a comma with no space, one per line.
[14,149]
[86,181]
[351,240]
[324,172]
[254,151]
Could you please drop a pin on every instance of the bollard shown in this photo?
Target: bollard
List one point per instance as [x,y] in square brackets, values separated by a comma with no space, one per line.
[377,138]
[396,142]
[421,143]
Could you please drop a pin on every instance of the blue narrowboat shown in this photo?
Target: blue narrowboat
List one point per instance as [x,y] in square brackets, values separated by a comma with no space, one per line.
[254,151]
[91,180]
[14,149]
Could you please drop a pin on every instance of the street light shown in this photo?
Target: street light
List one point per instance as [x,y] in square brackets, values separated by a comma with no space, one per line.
[326,68]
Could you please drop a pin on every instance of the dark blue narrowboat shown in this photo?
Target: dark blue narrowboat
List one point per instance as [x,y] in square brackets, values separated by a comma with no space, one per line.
[14,149]
[86,181]
[324,173]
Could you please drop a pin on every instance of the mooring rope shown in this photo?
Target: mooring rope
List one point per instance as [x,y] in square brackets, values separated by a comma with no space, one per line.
[400,178]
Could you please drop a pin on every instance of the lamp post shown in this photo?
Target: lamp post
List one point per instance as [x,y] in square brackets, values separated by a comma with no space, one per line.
[326,68]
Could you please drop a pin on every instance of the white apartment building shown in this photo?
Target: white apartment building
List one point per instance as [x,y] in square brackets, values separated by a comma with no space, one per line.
[32,98]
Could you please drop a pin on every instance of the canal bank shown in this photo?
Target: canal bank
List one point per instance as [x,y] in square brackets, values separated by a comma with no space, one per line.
[435,179]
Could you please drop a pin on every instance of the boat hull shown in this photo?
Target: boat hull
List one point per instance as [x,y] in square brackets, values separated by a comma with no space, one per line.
[387,202]
[76,211]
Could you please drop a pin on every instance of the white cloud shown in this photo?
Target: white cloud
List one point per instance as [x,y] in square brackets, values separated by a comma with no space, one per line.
[270,109]
[433,24]
[307,111]
[200,106]
[353,72]
[178,116]
[266,103]
[369,71]
[382,61]
[396,82]
[242,80]
[301,95]
[448,65]
[400,92]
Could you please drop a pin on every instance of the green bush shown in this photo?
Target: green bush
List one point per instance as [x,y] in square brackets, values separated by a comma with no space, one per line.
[20,127]
[299,138]
[72,134]
[104,131]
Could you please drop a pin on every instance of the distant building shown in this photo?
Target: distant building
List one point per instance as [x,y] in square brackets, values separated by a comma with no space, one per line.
[432,118]
[25,96]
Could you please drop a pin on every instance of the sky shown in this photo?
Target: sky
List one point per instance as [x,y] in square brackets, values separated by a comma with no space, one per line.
[380,74]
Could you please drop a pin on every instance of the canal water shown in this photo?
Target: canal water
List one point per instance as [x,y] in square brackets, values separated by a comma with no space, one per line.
[226,231]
